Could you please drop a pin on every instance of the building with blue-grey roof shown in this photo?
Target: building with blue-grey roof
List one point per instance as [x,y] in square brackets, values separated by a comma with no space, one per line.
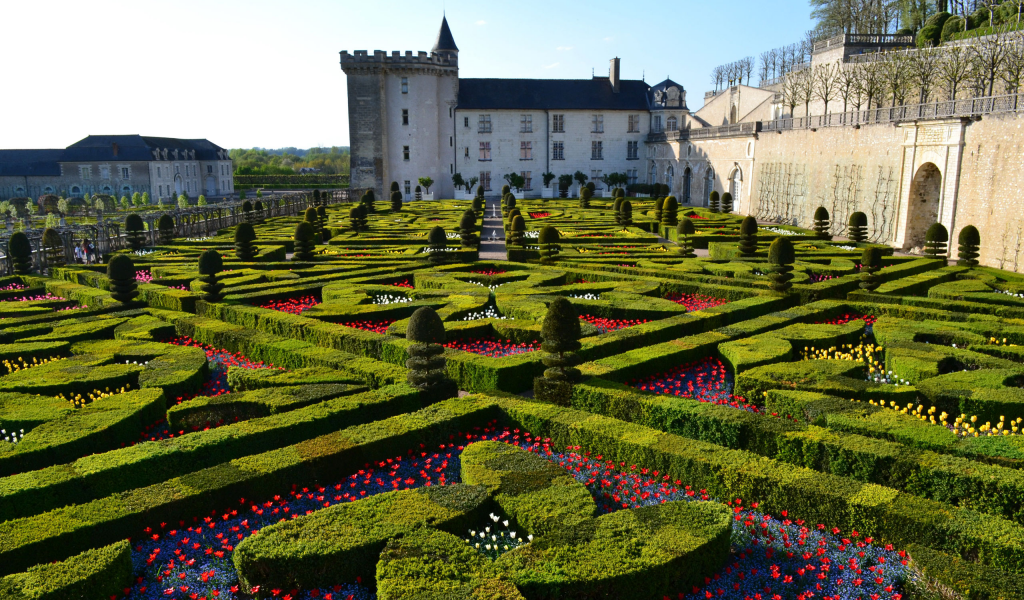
[119,165]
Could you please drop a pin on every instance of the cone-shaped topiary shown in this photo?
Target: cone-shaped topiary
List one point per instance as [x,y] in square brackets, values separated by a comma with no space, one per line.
[396,201]
[20,251]
[585,196]
[684,230]
[560,333]
[53,245]
[714,204]
[781,256]
[659,204]
[165,226]
[726,205]
[549,246]
[936,241]
[870,264]
[822,223]
[480,191]
[857,227]
[510,203]
[210,266]
[467,229]
[133,227]
[304,241]
[670,212]
[370,196]
[321,217]
[970,244]
[245,235]
[505,189]
[517,234]
[748,236]
[121,274]
[626,213]
[426,364]
[437,241]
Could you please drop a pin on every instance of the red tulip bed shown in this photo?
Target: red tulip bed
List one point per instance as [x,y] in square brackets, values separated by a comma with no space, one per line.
[846,318]
[404,284]
[294,306]
[489,272]
[773,557]
[376,326]
[492,346]
[694,302]
[539,215]
[605,325]
[706,380]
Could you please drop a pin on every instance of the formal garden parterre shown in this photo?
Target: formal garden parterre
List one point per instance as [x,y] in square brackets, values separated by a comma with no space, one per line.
[644,401]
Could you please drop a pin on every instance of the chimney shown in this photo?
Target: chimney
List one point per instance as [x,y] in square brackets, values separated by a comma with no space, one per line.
[113,147]
[613,74]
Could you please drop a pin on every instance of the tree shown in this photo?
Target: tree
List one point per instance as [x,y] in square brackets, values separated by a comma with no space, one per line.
[467,229]
[396,202]
[357,218]
[321,215]
[825,82]
[121,275]
[781,257]
[437,241]
[394,186]
[136,199]
[846,84]
[548,177]
[1013,64]
[564,182]
[245,235]
[560,333]
[165,226]
[896,74]
[923,67]
[518,231]
[426,362]
[714,204]
[669,212]
[53,245]
[426,182]
[970,244]
[617,210]
[201,201]
[367,201]
[183,201]
[585,195]
[304,241]
[62,206]
[870,264]
[987,56]
[726,203]
[20,251]
[857,227]
[580,177]
[145,198]
[822,223]
[210,266]
[748,236]
[684,230]
[515,180]
[134,227]
[870,82]
[125,203]
[936,240]
[458,181]
[472,181]
[954,69]
[549,246]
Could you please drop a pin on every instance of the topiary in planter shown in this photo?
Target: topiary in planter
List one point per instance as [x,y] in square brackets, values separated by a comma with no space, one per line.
[467,229]
[20,251]
[396,201]
[53,245]
[437,241]
[936,241]
[726,203]
[245,235]
[857,227]
[870,264]
[585,195]
[549,246]
[134,229]
[670,212]
[121,274]
[304,241]
[684,230]
[165,226]
[714,204]
[626,213]
[560,333]
[517,234]
[210,266]
[321,217]
[970,244]
[822,223]
[781,256]
[659,204]
[748,236]
[426,364]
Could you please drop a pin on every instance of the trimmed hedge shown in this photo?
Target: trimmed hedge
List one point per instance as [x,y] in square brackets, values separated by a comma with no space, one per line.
[94,574]
[241,406]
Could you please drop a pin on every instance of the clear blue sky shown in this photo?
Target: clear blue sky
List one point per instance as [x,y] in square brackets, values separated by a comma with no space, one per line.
[246,73]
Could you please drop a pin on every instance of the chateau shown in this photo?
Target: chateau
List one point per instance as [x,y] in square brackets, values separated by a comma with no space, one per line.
[906,166]
[119,165]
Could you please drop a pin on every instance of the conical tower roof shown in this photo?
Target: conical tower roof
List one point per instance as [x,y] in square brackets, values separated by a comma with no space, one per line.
[445,42]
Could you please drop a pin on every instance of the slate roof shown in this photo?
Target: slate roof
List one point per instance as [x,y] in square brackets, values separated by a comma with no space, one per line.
[552,94]
[445,41]
[30,163]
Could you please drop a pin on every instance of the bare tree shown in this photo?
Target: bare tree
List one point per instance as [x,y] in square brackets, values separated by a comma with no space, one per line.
[804,87]
[824,82]
[1013,64]
[987,60]
[791,92]
[765,69]
[748,67]
[717,74]
[870,82]
[924,65]
[954,69]
[846,84]
[895,73]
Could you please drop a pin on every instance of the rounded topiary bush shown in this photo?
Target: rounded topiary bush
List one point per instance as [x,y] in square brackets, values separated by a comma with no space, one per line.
[969,245]
[394,186]
[367,201]
[560,335]
[781,256]
[357,218]
[714,204]
[396,201]
[135,230]
[726,203]
[585,195]
[626,213]
[517,234]
[683,232]
[53,246]
[20,251]
[321,217]
[304,236]
[617,210]
[659,204]
[857,227]
[505,190]
[478,205]
[870,264]
[437,242]
[936,241]
[165,226]
[748,236]
[822,223]
[467,229]
[549,244]
[121,274]
[670,212]
[245,235]
[210,266]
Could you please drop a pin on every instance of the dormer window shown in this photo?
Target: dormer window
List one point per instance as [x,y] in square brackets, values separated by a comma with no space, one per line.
[672,124]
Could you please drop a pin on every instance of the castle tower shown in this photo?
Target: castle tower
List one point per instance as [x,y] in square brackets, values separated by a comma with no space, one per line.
[401,111]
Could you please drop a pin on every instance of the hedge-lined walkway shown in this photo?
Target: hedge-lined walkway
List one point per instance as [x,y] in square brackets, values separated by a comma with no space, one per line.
[493,248]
